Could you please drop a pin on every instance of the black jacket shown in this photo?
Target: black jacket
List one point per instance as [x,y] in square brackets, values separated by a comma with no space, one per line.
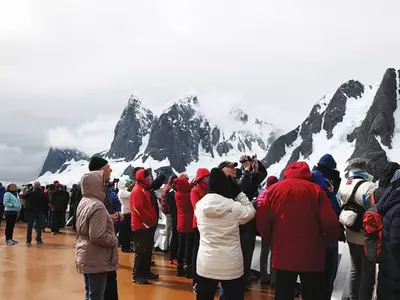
[389,266]
[59,201]
[36,201]
[156,185]
[249,182]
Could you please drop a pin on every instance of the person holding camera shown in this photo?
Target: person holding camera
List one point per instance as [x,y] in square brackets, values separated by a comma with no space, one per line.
[220,257]
[253,174]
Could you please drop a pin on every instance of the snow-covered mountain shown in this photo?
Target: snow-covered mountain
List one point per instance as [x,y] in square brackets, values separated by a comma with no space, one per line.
[356,121]
[181,138]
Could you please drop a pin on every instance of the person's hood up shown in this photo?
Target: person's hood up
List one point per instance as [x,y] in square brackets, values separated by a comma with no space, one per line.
[299,170]
[201,173]
[93,186]
[2,189]
[387,174]
[216,206]
[182,185]
[141,175]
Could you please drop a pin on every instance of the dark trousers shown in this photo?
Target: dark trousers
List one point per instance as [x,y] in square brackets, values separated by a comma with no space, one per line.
[196,245]
[56,220]
[173,247]
[11,219]
[206,288]
[32,218]
[362,274]
[111,291]
[95,286]
[144,242]
[125,233]
[1,210]
[312,285]
[265,249]
[331,266]
[248,243]
[185,252]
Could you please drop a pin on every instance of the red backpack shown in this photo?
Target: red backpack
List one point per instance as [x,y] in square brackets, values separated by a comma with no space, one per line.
[372,229]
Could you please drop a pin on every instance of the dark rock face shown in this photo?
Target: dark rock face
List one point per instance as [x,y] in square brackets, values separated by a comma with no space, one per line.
[379,122]
[56,158]
[216,135]
[177,135]
[134,124]
[278,148]
[337,106]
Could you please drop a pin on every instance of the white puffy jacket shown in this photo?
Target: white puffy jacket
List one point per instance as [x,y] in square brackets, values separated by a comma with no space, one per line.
[125,198]
[362,197]
[218,218]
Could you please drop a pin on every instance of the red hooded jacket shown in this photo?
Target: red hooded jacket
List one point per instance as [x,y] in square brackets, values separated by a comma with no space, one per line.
[183,205]
[199,190]
[297,217]
[142,210]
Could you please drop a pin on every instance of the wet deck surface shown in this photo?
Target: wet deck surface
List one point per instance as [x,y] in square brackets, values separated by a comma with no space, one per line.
[47,272]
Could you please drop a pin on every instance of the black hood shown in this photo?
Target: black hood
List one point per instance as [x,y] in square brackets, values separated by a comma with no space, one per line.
[387,173]
[218,183]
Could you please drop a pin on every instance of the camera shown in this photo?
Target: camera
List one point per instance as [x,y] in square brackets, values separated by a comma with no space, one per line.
[249,158]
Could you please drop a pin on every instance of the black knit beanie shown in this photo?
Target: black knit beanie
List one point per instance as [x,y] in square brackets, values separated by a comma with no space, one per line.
[96,163]
[218,183]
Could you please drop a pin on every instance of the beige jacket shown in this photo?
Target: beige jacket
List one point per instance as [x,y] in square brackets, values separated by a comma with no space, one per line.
[96,245]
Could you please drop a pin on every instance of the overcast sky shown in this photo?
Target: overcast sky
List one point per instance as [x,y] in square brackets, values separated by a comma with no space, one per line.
[67,68]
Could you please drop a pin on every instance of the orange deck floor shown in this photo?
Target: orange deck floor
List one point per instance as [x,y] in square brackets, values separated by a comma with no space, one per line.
[47,272]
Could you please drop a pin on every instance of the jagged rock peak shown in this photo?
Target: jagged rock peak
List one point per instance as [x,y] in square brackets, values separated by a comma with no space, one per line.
[56,158]
[134,100]
[135,123]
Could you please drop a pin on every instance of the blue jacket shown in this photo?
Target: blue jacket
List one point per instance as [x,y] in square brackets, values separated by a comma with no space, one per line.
[11,202]
[319,179]
[2,192]
[116,204]
[389,265]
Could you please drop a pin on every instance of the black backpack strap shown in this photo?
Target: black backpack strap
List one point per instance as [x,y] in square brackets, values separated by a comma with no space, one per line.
[353,194]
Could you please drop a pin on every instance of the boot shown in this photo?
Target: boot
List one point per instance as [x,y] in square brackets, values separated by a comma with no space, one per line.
[189,271]
[180,271]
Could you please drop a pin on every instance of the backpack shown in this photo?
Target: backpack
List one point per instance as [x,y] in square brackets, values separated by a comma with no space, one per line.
[351,215]
[372,229]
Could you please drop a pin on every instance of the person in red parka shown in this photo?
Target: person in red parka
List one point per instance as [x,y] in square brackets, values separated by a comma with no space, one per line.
[298,219]
[185,226]
[197,193]
[144,221]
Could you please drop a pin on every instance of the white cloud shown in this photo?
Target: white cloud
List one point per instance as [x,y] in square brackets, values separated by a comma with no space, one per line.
[90,137]
[10,149]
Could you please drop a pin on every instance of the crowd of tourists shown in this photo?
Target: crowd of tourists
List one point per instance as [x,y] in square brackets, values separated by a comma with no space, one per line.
[213,220]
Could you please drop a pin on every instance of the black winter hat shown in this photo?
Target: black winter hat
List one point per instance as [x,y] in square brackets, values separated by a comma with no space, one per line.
[96,163]
[218,183]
